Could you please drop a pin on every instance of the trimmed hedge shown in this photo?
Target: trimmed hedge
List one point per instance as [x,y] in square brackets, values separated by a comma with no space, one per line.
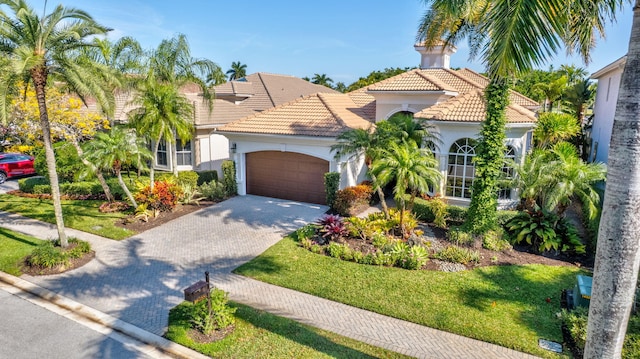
[424,210]
[26,184]
[207,176]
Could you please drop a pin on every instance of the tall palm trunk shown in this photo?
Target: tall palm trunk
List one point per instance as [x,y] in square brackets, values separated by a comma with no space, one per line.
[154,159]
[117,167]
[96,171]
[39,76]
[489,158]
[618,250]
[383,203]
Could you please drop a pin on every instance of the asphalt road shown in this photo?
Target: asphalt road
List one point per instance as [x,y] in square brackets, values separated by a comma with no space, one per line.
[9,185]
[30,331]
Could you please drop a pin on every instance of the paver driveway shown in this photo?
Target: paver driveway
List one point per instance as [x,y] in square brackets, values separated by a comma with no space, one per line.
[141,278]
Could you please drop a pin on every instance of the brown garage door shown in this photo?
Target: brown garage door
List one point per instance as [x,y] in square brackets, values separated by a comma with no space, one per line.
[286,175]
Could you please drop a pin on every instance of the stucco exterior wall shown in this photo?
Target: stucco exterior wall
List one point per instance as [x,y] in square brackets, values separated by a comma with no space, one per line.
[351,173]
[603,113]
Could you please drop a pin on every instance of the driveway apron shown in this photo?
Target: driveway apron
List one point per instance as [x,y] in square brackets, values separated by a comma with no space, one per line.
[141,278]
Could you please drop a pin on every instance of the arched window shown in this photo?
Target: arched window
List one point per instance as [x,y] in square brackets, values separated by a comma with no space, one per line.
[507,169]
[460,168]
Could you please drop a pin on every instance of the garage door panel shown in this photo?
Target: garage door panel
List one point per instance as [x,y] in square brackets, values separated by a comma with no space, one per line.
[286,175]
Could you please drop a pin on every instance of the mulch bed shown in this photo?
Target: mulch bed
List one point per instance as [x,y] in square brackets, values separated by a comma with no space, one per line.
[519,255]
[215,335]
[139,226]
[73,264]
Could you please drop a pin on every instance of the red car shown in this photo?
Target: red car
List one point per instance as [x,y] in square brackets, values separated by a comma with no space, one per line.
[15,164]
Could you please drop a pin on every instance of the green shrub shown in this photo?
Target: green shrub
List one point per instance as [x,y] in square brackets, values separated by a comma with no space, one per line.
[350,198]
[380,240]
[544,231]
[461,237]
[221,315]
[26,184]
[229,178]
[306,232]
[337,250]
[188,178]
[331,185]
[207,176]
[456,214]
[439,210]
[576,324]
[213,190]
[457,254]
[41,189]
[504,217]
[50,255]
[494,240]
[80,188]
[68,163]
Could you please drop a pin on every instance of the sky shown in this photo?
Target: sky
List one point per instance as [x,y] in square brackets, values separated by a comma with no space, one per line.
[344,39]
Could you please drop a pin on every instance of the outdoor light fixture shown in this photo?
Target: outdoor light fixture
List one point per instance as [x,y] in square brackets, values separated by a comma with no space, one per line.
[233,147]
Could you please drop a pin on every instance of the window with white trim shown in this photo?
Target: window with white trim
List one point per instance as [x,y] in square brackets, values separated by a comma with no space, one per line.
[460,168]
[183,151]
[508,171]
[161,155]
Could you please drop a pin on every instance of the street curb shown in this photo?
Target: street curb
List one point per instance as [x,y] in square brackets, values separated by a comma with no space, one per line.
[118,325]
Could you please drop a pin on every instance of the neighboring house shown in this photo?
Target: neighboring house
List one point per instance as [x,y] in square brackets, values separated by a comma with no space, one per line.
[604,108]
[233,100]
[285,151]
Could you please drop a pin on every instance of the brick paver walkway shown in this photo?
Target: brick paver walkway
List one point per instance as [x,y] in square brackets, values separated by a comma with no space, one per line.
[139,279]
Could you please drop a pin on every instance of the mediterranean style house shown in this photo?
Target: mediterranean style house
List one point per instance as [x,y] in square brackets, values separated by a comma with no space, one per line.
[604,108]
[284,151]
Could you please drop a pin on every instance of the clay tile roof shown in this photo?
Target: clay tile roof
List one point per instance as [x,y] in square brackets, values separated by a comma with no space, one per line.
[366,102]
[317,115]
[222,112]
[414,80]
[515,97]
[455,79]
[471,107]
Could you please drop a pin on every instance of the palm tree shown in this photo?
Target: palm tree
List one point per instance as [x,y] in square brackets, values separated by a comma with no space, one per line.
[41,46]
[553,128]
[573,74]
[237,71]
[161,114]
[118,148]
[551,91]
[579,95]
[406,128]
[618,250]
[361,143]
[322,79]
[572,177]
[411,168]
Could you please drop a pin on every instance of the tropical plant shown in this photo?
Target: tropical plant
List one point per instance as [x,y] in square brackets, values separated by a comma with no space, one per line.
[357,143]
[578,96]
[161,114]
[213,190]
[553,128]
[212,313]
[544,231]
[413,169]
[332,227]
[162,197]
[402,126]
[551,91]
[573,73]
[116,149]
[34,48]
[322,79]
[229,178]
[237,71]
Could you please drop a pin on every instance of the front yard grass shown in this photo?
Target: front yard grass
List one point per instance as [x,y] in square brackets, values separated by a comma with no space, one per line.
[13,248]
[259,334]
[504,305]
[81,215]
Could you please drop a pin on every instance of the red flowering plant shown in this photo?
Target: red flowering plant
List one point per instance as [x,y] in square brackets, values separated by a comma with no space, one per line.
[332,227]
[163,197]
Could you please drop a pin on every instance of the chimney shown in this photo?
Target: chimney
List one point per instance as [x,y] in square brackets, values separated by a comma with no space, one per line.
[436,57]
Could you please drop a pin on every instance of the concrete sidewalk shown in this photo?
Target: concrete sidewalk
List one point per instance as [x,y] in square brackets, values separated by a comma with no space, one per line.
[139,279]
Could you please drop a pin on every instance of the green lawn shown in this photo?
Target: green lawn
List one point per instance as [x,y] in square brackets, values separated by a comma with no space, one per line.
[13,247]
[81,215]
[259,334]
[505,305]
